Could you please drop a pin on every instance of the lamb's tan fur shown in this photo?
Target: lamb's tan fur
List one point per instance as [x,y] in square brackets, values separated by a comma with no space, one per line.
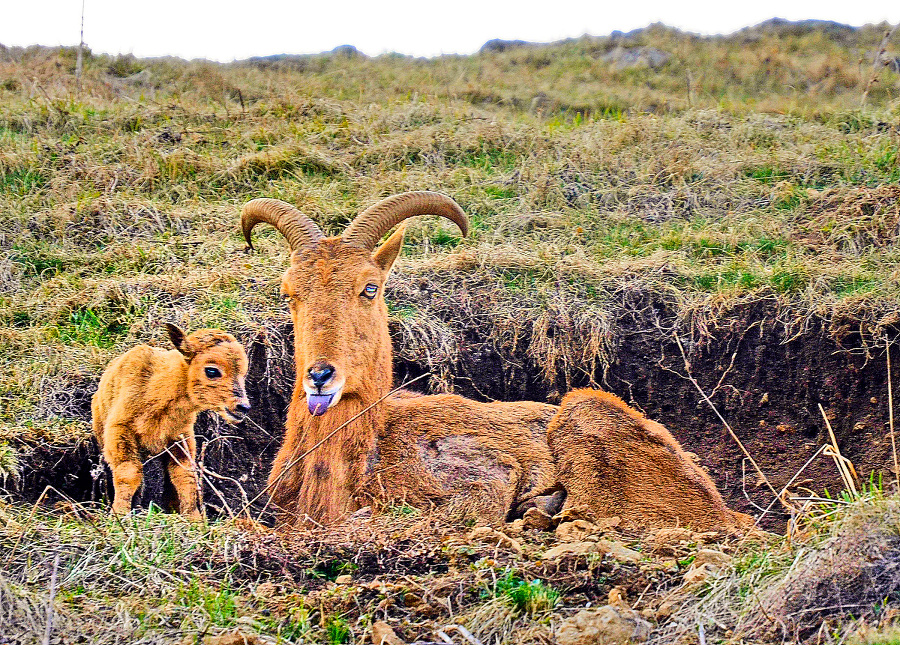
[485,460]
[147,403]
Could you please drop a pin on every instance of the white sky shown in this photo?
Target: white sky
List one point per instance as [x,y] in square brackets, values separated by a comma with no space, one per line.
[227,30]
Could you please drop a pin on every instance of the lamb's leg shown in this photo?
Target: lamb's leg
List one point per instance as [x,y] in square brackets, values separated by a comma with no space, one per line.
[180,467]
[169,494]
[122,455]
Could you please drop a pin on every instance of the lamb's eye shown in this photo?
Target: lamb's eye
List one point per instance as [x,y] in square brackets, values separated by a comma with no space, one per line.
[370,291]
[212,372]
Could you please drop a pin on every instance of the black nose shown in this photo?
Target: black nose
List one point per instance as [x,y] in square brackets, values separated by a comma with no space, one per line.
[320,374]
[243,408]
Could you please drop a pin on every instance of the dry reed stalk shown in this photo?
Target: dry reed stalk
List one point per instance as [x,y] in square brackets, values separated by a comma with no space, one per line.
[690,376]
[49,629]
[791,481]
[891,419]
[876,70]
[25,528]
[844,465]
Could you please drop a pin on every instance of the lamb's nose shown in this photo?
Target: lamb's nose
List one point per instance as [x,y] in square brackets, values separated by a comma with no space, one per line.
[320,374]
[243,408]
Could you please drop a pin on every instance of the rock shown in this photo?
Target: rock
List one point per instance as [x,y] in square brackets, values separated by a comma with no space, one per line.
[619,551]
[575,531]
[670,541]
[487,534]
[604,626]
[515,528]
[142,78]
[535,518]
[574,513]
[362,514]
[345,579]
[233,638]
[266,589]
[666,609]
[612,548]
[570,548]
[499,45]
[616,598]
[711,557]
[382,634]
[697,575]
[627,57]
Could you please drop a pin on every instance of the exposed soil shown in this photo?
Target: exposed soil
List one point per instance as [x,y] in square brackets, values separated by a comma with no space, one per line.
[766,383]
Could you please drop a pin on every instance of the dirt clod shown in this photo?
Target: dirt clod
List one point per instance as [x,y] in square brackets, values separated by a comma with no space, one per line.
[607,625]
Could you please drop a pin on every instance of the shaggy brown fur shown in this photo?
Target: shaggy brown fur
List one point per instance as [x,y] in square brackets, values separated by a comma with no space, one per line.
[482,460]
[405,449]
[148,400]
[617,462]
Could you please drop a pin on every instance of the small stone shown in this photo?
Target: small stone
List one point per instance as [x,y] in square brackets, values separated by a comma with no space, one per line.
[266,589]
[570,548]
[616,598]
[666,609]
[575,531]
[619,551]
[574,513]
[535,518]
[696,576]
[712,557]
[345,579]
[382,634]
[362,514]
[515,528]
[604,626]
[489,535]
[666,540]
[233,638]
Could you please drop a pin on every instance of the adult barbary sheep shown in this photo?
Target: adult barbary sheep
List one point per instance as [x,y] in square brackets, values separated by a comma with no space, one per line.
[346,444]
[147,403]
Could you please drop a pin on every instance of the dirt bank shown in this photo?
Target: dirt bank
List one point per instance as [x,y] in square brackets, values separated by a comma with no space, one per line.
[765,368]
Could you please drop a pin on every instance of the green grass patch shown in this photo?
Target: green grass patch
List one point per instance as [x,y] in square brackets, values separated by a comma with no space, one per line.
[84,326]
[220,604]
[530,598]
[22,181]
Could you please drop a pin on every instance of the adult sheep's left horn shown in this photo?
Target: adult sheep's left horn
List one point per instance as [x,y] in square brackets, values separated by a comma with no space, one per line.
[370,226]
[294,225]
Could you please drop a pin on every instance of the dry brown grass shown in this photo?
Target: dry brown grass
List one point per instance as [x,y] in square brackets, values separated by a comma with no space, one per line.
[740,172]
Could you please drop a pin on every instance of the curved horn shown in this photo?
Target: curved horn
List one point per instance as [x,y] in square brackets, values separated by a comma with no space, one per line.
[370,226]
[294,225]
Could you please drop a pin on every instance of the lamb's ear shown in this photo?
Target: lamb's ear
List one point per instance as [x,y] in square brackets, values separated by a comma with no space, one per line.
[178,338]
[387,253]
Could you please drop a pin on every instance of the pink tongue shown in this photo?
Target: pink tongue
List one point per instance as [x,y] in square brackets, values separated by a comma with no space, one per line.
[318,403]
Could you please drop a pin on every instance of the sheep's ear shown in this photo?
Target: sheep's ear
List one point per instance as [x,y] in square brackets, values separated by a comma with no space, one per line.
[387,253]
[177,336]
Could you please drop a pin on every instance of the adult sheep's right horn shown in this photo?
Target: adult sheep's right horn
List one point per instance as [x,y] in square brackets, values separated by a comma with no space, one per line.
[294,225]
[370,226]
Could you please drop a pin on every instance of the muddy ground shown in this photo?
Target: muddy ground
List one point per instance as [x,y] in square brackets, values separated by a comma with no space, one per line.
[766,370]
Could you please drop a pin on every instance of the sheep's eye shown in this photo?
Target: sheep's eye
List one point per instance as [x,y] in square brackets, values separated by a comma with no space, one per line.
[212,372]
[370,291]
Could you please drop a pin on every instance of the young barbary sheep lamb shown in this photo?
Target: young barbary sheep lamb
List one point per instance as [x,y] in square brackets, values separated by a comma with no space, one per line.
[148,400]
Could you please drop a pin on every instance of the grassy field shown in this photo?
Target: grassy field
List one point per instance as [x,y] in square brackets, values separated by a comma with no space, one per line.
[743,169]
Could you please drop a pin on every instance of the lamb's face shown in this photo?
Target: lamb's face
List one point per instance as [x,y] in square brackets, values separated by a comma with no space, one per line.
[216,373]
[341,341]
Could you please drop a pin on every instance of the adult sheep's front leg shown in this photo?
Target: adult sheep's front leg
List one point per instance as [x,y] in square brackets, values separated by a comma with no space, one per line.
[182,474]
